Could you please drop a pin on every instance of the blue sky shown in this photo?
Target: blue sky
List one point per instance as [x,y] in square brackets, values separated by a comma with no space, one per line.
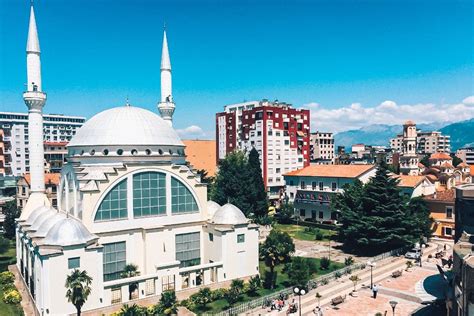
[332,56]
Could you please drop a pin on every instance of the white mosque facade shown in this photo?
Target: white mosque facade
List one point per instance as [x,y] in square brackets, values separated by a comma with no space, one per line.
[127,196]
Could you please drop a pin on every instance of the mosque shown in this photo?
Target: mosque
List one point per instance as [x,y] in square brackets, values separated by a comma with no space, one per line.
[126,196]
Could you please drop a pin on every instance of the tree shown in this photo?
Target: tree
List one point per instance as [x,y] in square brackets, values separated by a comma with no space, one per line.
[11,213]
[286,213]
[167,304]
[130,271]
[298,271]
[425,161]
[276,249]
[202,297]
[456,160]
[375,217]
[237,285]
[259,199]
[78,288]
[4,245]
[232,182]
[355,279]
[132,310]
[254,284]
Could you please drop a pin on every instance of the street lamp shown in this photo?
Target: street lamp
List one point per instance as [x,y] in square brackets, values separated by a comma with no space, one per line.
[393,304]
[299,292]
[371,265]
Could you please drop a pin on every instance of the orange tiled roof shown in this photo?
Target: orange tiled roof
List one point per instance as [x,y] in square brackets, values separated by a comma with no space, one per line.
[420,165]
[440,156]
[202,155]
[55,143]
[336,171]
[462,165]
[409,181]
[432,177]
[447,165]
[52,178]
[471,170]
[446,195]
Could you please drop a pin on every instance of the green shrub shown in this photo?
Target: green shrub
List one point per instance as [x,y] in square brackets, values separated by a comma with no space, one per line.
[253,285]
[337,275]
[12,297]
[7,277]
[218,294]
[348,261]
[319,235]
[324,281]
[324,263]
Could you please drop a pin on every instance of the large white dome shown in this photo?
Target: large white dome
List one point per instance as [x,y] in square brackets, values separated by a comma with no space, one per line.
[229,214]
[125,126]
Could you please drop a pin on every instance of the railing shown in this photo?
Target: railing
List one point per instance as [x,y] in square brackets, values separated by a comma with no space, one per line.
[312,284]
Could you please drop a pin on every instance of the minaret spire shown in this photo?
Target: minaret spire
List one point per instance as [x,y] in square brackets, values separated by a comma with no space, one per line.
[34,99]
[166,105]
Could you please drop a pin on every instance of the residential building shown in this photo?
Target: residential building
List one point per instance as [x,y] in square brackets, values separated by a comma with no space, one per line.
[463,252]
[23,189]
[426,142]
[201,154]
[441,206]
[358,150]
[466,154]
[279,132]
[415,186]
[56,128]
[312,188]
[126,196]
[322,147]
[55,155]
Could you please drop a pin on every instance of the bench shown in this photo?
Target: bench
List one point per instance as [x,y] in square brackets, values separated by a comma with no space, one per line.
[396,274]
[338,300]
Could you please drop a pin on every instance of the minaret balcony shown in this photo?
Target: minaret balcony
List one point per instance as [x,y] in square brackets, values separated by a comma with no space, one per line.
[34,99]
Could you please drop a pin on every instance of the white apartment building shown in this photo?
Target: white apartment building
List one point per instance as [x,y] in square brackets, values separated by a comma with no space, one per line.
[56,128]
[466,154]
[322,147]
[426,142]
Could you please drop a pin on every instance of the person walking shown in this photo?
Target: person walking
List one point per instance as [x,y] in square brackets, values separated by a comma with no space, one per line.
[375,289]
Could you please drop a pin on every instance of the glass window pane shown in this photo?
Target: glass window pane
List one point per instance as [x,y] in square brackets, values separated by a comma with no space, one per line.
[114,204]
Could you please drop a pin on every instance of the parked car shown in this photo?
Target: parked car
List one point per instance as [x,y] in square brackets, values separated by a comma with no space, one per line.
[414,253]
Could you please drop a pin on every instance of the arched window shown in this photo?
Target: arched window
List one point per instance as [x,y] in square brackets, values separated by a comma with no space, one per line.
[149,194]
[182,201]
[114,205]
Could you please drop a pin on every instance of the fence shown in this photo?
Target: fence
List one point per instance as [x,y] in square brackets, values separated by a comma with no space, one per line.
[312,284]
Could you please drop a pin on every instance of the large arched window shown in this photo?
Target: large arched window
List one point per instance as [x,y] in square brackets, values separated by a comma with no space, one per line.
[114,205]
[149,194]
[182,200]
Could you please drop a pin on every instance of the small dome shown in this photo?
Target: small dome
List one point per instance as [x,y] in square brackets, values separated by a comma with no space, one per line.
[47,223]
[229,214]
[35,214]
[212,208]
[42,218]
[68,232]
[125,126]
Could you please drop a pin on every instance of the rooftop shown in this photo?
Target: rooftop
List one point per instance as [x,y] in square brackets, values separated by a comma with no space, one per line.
[202,155]
[49,178]
[332,171]
[409,181]
[446,195]
[440,156]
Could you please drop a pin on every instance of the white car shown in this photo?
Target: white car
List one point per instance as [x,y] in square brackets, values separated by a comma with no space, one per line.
[414,253]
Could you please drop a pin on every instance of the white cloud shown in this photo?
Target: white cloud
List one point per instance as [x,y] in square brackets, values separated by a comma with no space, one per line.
[388,112]
[191,132]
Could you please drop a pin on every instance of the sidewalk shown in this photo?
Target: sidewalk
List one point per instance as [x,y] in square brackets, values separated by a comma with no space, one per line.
[344,286]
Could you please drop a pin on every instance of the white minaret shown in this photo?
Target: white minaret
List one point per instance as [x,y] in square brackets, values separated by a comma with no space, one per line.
[34,100]
[166,105]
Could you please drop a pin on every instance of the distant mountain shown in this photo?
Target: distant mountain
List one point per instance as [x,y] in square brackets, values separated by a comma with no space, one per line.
[380,134]
[462,134]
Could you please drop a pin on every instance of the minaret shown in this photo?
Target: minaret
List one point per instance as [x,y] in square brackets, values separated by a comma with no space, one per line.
[34,99]
[166,105]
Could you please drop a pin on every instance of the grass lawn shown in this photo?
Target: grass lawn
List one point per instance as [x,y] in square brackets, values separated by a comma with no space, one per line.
[281,283]
[7,259]
[303,232]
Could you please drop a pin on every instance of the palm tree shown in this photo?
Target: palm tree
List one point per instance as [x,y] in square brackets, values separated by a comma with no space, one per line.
[130,271]
[78,288]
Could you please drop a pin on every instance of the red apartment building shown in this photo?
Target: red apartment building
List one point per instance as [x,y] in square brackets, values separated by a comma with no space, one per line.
[279,132]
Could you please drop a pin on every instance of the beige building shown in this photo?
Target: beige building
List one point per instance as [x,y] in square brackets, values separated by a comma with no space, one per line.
[51,183]
[426,143]
[322,147]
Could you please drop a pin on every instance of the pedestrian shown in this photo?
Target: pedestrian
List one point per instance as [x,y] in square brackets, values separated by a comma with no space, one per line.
[444,247]
[375,289]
